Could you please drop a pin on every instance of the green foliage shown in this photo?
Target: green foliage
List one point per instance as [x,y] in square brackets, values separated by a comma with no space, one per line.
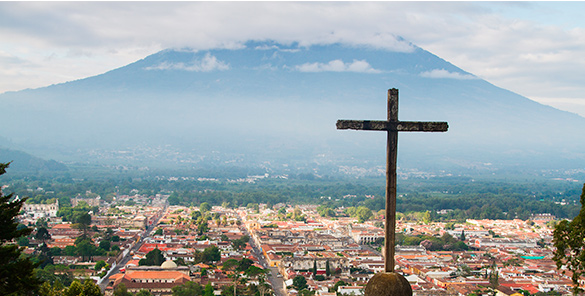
[245,264]
[362,213]
[105,245]
[143,292]
[204,207]
[240,243]
[23,241]
[85,248]
[154,257]
[16,275]
[230,264]
[208,290]
[568,239]
[78,214]
[188,289]
[336,285]
[254,271]
[91,289]
[42,234]
[325,211]
[88,288]
[211,254]
[55,274]
[299,282]
[202,226]
[99,265]
[121,290]
[431,243]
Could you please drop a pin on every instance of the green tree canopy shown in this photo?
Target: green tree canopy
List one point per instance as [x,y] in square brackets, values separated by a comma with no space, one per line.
[143,292]
[154,257]
[299,282]
[208,291]
[188,289]
[17,271]
[568,239]
[121,290]
[43,234]
[211,254]
[204,207]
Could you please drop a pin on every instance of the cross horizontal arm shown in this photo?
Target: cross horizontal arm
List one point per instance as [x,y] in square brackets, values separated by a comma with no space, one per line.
[400,126]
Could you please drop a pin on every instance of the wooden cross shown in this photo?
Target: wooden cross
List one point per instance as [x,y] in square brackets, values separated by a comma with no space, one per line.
[392,126]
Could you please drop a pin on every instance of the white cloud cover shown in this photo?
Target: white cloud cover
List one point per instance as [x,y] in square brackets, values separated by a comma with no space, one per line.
[533,48]
[360,66]
[207,64]
[442,73]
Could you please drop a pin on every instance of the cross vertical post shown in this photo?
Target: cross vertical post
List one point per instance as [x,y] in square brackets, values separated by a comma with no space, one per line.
[391,159]
[392,126]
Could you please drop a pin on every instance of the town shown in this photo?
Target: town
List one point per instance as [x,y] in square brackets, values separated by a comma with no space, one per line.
[141,244]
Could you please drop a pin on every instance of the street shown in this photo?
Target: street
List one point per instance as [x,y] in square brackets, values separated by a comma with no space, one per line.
[276,282]
[103,283]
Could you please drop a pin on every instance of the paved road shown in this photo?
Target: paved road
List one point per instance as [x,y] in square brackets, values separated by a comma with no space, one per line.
[128,256]
[276,282]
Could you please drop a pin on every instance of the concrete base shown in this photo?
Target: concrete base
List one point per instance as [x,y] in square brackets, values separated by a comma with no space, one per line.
[388,284]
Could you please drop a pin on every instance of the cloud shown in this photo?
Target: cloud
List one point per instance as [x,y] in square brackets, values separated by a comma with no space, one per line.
[360,66]
[442,73]
[533,48]
[207,64]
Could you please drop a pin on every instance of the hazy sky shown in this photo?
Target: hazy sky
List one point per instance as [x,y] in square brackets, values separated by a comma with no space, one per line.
[536,49]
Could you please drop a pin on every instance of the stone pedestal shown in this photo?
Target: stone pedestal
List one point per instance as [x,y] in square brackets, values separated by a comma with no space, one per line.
[388,284]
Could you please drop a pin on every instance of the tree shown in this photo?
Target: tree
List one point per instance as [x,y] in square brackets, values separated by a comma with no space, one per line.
[121,290]
[85,249]
[568,239]
[47,290]
[327,268]
[42,234]
[82,220]
[363,214]
[100,264]
[154,257]
[187,289]
[245,264]
[240,242]
[208,291]
[75,289]
[202,227]
[229,264]
[254,271]
[143,292]
[105,245]
[314,267]
[91,289]
[299,282]
[263,289]
[211,254]
[339,283]
[204,207]
[17,272]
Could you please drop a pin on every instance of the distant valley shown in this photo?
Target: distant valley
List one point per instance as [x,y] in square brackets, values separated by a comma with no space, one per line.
[274,106]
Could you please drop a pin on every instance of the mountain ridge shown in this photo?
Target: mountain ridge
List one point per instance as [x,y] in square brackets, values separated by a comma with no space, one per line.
[291,96]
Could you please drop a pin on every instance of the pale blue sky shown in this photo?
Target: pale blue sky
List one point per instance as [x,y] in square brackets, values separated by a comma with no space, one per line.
[536,49]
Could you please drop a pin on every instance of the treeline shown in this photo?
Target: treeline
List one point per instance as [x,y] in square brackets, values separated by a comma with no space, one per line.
[483,206]
[462,197]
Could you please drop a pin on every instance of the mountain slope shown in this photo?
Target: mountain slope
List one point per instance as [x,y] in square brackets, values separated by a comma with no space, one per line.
[270,102]
[24,162]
